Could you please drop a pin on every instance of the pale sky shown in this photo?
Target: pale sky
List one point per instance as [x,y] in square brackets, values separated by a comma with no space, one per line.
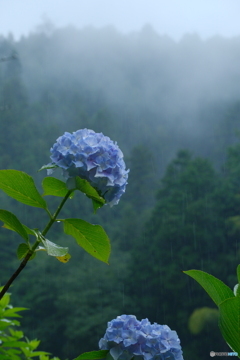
[172,17]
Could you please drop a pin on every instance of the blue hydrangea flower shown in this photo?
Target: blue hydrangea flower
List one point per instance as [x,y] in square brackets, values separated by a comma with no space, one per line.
[128,338]
[95,158]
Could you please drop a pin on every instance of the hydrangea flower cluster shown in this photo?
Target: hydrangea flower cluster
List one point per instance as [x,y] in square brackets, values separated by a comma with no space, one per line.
[127,338]
[95,158]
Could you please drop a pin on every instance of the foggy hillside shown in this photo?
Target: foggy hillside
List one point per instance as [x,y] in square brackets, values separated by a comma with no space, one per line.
[142,78]
[161,74]
[177,92]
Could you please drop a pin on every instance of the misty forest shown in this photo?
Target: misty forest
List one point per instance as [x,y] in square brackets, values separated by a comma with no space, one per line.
[174,110]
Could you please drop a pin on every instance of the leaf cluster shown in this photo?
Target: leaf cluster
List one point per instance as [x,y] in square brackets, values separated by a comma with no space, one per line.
[20,186]
[228,304]
[13,343]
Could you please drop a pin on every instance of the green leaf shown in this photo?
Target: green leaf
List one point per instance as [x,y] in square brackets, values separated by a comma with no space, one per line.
[236,289]
[238,273]
[33,344]
[14,344]
[91,238]
[11,222]
[85,187]
[4,324]
[16,334]
[96,205]
[45,357]
[33,256]
[55,187]
[229,322]
[48,166]
[20,186]
[27,229]
[13,312]
[38,353]
[54,249]
[5,300]
[22,250]
[91,355]
[215,288]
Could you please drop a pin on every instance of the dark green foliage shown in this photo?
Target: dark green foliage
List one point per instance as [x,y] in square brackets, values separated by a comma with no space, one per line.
[142,170]
[63,83]
[186,231]
[14,344]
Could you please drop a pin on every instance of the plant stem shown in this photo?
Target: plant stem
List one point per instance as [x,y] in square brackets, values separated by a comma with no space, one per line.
[35,245]
[19,269]
[51,221]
